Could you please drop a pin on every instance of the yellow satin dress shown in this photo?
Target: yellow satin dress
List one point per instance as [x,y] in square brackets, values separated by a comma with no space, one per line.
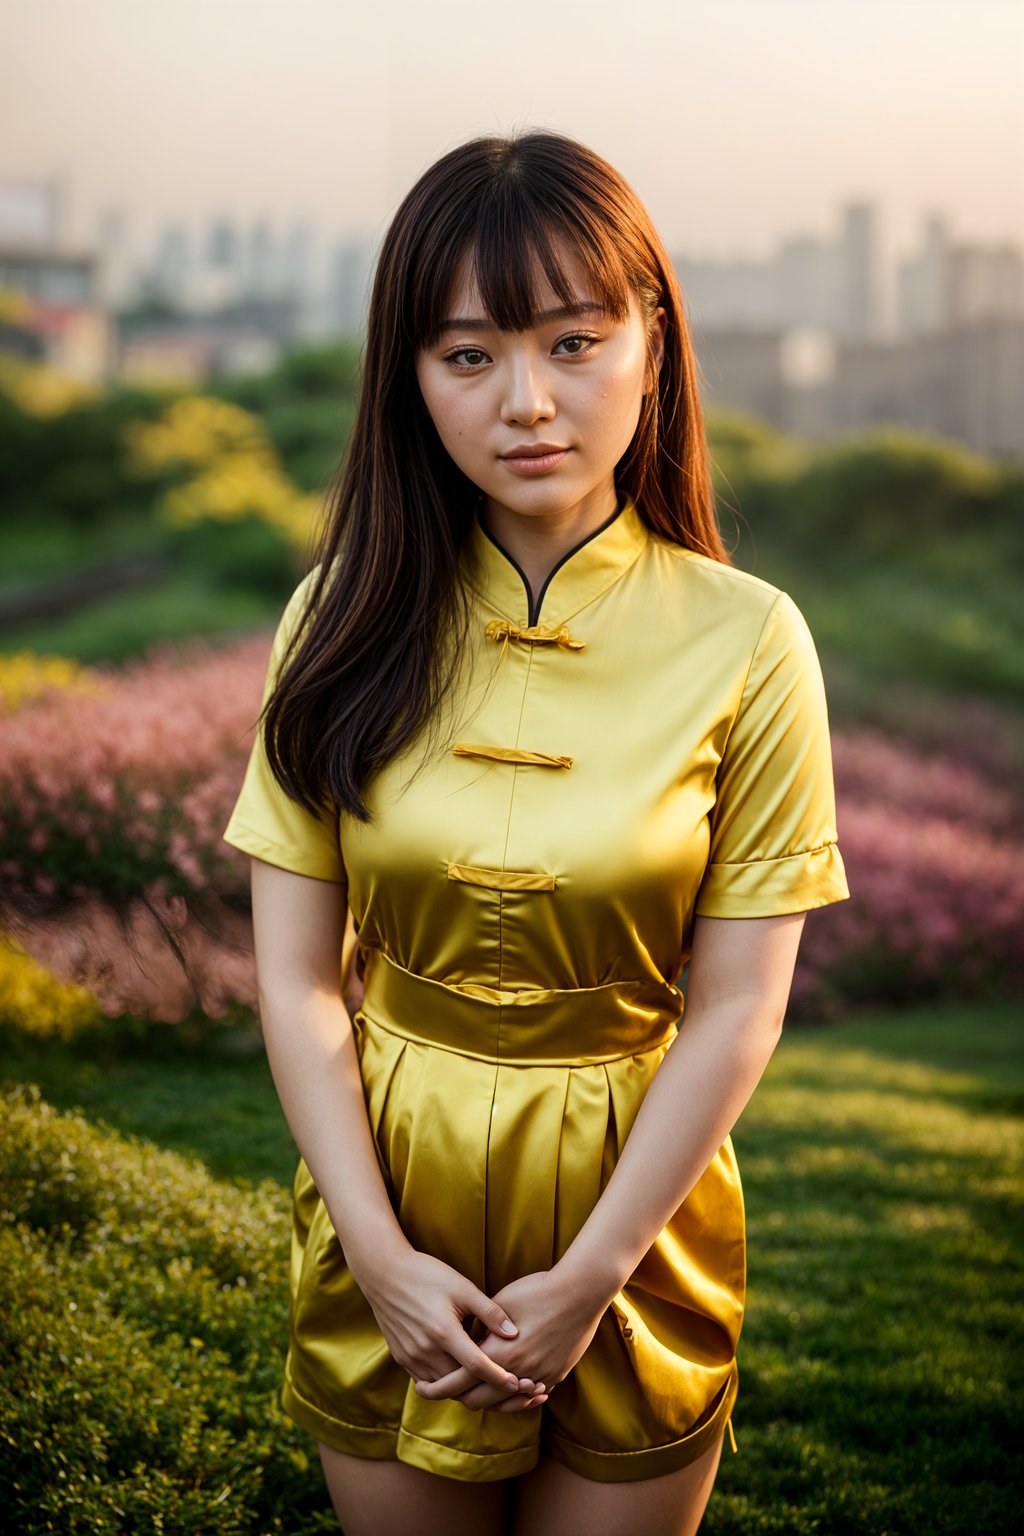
[646,742]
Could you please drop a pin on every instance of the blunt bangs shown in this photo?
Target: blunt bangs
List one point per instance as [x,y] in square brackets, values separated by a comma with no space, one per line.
[510,235]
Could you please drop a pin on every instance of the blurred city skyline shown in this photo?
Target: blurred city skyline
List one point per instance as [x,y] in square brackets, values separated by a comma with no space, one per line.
[741,124]
[189,190]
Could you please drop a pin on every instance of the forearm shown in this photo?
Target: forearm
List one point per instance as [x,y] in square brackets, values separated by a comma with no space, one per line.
[698,1093]
[312,1054]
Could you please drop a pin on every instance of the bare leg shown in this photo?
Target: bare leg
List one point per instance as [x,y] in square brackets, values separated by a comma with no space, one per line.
[390,1498]
[552,1500]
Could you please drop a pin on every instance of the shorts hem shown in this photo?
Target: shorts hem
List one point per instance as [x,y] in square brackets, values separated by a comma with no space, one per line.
[653,1460]
[390,1442]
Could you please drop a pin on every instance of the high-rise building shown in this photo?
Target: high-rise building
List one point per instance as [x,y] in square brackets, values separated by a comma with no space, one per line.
[172,265]
[945,284]
[351,268]
[857,312]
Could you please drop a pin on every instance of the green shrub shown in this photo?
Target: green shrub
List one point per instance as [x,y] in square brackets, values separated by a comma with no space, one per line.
[70,466]
[310,436]
[886,491]
[144,1310]
[307,405]
[246,552]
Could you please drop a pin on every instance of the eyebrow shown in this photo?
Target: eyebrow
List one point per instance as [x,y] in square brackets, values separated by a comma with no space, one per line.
[564,312]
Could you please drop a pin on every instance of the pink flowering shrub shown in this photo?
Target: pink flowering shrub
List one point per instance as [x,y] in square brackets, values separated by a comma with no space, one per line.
[112,869]
[934,854]
[923,784]
[129,789]
[114,875]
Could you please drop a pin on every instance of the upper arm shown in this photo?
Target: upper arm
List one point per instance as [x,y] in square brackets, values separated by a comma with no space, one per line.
[298,930]
[744,961]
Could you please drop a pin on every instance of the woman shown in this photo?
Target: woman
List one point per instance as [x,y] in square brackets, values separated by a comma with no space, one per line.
[533,735]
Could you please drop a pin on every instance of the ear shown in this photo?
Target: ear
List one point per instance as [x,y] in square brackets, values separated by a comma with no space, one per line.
[656,345]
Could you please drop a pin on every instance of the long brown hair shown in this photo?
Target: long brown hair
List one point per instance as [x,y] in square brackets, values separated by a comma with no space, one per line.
[365,672]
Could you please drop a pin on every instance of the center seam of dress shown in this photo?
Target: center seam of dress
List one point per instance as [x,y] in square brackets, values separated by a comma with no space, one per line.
[501,952]
[508,832]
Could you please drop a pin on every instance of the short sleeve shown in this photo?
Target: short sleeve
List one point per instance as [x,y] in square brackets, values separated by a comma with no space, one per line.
[265,821]
[774,845]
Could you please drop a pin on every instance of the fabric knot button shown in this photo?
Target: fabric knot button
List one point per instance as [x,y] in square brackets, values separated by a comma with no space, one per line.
[537,634]
[502,879]
[512,754]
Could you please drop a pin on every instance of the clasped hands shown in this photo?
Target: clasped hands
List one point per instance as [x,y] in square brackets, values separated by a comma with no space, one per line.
[421,1304]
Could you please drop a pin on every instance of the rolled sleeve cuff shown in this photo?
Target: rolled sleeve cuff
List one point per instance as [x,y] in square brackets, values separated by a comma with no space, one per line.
[301,861]
[771,887]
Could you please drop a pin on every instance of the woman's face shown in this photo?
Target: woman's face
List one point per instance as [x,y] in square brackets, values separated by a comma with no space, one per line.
[573,383]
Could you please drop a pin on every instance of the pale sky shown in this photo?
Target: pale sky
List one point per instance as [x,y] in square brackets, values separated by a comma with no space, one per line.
[739,122]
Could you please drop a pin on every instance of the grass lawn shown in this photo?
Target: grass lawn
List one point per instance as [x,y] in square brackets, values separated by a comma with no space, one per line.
[881,1166]
[122,625]
[881,1163]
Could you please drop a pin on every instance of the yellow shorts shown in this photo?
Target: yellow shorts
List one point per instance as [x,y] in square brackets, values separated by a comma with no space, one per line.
[493,1166]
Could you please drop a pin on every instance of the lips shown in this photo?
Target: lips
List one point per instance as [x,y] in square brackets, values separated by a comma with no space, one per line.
[533,451]
[534,458]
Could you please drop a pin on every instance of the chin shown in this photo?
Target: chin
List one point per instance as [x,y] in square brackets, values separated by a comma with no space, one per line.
[549,493]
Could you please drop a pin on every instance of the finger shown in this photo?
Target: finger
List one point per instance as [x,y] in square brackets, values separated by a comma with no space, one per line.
[482,1366]
[493,1316]
[471,1392]
[478,1366]
[521,1403]
[451,1385]
[483,1396]
[458,1383]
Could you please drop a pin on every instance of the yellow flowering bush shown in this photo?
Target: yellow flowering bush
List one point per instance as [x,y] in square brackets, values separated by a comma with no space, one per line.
[41,390]
[36,1003]
[192,433]
[241,485]
[24,675]
[236,471]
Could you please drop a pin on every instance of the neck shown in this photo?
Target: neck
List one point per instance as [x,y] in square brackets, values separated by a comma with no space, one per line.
[538,541]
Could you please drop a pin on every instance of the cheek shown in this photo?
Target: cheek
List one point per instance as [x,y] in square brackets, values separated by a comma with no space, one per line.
[456,424]
[629,375]
[618,391]
[449,409]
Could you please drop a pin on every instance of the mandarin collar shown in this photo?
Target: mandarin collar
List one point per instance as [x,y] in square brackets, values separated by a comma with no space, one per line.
[580,575]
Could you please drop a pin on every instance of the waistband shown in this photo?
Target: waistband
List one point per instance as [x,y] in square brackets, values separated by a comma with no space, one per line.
[541,1026]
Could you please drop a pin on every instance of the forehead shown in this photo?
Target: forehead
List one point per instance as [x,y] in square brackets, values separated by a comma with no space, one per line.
[465,297]
[511,276]
[466,301]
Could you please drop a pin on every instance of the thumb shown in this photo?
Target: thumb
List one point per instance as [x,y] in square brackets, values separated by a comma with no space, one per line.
[493,1316]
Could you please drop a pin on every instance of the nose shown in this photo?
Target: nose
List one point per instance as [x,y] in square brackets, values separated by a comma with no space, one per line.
[527,394]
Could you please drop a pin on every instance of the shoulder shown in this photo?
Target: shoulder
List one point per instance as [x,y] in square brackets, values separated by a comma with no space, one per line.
[296,604]
[291,616]
[302,590]
[726,583]
[721,599]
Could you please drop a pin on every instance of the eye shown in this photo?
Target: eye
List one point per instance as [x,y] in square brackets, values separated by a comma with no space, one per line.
[475,356]
[583,337]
